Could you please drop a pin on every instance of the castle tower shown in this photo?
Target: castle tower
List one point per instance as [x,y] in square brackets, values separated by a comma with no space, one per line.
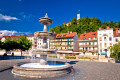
[78,16]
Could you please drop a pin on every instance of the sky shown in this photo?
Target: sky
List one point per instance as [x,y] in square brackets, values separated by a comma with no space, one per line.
[22,16]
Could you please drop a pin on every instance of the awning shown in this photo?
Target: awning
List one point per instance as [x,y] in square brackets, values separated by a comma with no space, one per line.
[103,53]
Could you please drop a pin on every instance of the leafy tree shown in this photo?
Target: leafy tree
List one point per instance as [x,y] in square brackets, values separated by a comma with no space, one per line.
[115,51]
[80,26]
[9,44]
[73,21]
[24,44]
[85,24]
[1,45]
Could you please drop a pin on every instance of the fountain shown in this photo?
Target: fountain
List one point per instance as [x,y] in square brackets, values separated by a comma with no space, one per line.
[43,68]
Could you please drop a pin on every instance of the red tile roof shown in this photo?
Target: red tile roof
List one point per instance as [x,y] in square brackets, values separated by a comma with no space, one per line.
[88,35]
[31,35]
[116,33]
[66,35]
[13,36]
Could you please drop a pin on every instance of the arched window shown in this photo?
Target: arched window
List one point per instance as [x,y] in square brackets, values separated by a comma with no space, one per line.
[100,39]
[116,40]
[110,39]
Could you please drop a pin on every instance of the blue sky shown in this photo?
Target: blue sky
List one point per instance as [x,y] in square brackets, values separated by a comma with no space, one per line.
[23,15]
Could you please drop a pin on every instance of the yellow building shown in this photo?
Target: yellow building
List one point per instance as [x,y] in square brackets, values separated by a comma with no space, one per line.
[65,43]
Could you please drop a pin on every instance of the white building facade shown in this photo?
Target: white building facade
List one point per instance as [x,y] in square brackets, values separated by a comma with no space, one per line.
[105,40]
[40,43]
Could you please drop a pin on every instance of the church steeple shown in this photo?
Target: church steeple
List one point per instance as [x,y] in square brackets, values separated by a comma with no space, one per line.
[78,15]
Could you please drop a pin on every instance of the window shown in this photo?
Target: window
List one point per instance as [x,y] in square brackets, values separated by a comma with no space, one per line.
[89,43]
[100,50]
[89,48]
[116,40]
[94,38]
[89,38]
[110,44]
[83,38]
[38,43]
[104,38]
[105,44]
[93,34]
[110,39]
[100,39]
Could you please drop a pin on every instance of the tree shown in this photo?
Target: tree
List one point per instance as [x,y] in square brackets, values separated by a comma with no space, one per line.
[24,44]
[115,51]
[80,26]
[9,44]
[1,45]
[73,21]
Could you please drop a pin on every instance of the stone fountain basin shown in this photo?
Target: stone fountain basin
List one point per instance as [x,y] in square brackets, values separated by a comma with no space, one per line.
[44,51]
[41,71]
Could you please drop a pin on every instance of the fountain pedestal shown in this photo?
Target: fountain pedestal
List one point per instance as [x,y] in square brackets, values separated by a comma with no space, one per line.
[42,69]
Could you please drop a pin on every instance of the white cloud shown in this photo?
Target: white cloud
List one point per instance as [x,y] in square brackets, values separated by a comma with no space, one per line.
[9,33]
[6,33]
[7,18]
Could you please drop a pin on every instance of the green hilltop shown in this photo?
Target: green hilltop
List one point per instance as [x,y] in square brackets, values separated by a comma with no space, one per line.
[84,24]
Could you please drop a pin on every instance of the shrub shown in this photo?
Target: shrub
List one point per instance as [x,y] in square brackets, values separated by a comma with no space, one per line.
[70,57]
[52,56]
[84,58]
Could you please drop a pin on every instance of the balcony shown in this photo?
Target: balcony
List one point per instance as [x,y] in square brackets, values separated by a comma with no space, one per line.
[61,45]
[55,41]
[88,45]
[81,50]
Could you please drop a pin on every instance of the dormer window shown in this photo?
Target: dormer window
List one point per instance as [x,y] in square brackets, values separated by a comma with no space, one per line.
[89,38]
[94,37]
[93,34]
[83,38]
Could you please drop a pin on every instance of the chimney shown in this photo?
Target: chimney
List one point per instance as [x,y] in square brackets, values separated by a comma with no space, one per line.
[70,32]
[107,27]
[116,30]
[99,28]
[62,35]
[23,33]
